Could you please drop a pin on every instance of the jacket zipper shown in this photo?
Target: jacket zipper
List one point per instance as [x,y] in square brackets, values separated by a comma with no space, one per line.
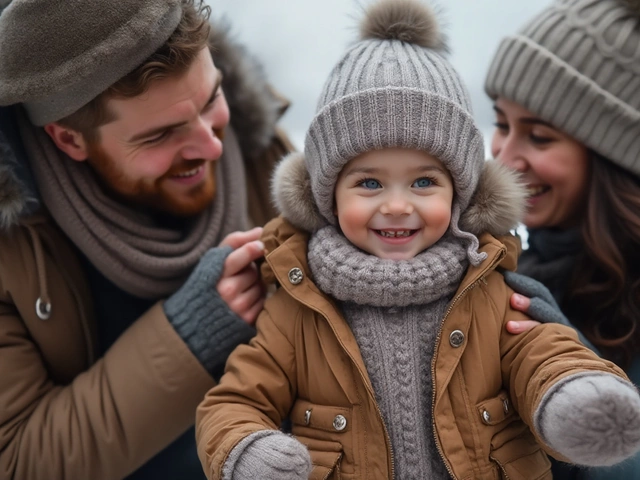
[480,277]
[384,427]
[504,472]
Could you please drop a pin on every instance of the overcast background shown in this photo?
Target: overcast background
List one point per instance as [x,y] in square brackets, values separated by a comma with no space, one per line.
[300,41]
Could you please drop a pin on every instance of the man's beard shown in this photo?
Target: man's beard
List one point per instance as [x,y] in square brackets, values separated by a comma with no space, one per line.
[154,194]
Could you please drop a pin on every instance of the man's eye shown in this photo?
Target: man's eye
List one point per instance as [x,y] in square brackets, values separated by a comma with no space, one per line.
[157,138]
[370,183]
[422,182]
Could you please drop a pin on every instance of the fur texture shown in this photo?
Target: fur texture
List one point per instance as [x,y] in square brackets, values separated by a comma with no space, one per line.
[254,107]
[291,193]
[591,419]
[14,197]
[410,21]
[497,205]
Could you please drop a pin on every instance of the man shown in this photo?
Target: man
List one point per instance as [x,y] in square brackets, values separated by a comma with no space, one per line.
[133,140]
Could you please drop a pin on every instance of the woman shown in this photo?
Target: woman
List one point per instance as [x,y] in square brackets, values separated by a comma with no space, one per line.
[567,102]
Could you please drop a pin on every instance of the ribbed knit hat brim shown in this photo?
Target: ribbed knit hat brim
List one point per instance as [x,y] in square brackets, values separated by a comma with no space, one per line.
[531,76]
[56,56]
[389,117]
[576,65]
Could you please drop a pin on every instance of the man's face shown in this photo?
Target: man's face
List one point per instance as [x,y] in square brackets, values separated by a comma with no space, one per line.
[161,150]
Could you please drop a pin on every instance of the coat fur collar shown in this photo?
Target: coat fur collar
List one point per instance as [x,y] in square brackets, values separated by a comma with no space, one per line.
[497,206]
[255,109]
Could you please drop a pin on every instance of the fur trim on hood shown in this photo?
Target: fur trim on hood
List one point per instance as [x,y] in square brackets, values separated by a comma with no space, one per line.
[497,206]
[254,107]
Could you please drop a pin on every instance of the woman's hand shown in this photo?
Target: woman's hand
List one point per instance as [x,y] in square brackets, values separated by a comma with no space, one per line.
[522,304]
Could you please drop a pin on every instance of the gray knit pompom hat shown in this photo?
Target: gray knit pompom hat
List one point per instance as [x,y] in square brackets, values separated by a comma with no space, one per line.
[395,88]
[58,55]
[577,66]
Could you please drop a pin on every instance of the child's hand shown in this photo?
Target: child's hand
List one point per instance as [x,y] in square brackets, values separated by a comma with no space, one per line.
[240,285]
[592,419]
[268,455]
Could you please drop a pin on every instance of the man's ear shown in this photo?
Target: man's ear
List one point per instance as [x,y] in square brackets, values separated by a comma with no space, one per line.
[69,141]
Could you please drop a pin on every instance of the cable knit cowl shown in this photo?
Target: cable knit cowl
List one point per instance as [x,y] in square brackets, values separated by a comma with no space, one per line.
[346,273]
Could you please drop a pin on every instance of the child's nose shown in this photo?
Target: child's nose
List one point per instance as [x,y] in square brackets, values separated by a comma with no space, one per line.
[396,204]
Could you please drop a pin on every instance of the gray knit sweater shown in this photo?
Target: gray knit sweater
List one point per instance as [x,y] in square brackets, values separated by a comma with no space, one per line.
[395,309]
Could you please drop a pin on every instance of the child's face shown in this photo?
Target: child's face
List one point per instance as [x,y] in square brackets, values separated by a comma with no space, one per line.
[394,203]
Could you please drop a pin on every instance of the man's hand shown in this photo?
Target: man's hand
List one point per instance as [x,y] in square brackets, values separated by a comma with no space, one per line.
[240,285]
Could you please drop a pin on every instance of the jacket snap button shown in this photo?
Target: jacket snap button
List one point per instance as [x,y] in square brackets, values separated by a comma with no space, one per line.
[456,339]
[339,423]
[307,417]
[295,276]
[486,417]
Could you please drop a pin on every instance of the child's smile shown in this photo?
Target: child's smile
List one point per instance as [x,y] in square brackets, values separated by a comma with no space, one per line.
[394,203]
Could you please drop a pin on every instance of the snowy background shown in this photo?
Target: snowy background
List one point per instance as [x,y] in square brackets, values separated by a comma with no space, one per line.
[300,41]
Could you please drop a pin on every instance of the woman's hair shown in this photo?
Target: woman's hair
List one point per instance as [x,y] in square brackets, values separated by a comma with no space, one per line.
[603,299]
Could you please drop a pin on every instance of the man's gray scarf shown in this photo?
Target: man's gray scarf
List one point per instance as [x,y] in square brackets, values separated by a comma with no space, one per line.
[395,309]
[125,245]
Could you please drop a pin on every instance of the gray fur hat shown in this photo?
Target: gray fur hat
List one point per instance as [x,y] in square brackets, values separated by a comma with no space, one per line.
[57,55]
[577,66]
[395,88]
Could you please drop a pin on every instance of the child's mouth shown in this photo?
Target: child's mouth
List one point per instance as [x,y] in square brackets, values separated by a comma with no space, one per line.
[395,233]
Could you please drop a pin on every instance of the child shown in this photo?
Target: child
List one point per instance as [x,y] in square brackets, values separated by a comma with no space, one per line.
[385,343]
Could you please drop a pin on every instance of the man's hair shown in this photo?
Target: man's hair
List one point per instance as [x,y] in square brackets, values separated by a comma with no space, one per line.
[170,60]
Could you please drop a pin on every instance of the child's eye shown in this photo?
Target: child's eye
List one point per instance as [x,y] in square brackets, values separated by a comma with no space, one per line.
[422,183]
[370,183]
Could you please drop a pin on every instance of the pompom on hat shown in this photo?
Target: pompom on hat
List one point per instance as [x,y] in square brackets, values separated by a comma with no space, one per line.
[57,55]
[395,88]
[576,65]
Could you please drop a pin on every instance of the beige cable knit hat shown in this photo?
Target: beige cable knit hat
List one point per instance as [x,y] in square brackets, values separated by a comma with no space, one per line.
[577,66]
[57,55]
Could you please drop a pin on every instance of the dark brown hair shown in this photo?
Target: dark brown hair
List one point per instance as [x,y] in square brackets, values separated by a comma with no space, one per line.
[603,299]
[170,60]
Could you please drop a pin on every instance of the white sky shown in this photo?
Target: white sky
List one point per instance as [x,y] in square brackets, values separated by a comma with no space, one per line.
[300,41]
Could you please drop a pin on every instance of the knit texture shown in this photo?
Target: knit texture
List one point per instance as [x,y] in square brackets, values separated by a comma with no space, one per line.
[577,66]
[268,455]
[397,346]
[592,419]
[395,310]
[343,271]
[75,49]
[125,244]
[203,320]
[392,90]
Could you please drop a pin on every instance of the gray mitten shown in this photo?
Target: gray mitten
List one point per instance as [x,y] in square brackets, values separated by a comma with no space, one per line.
[544,307]
[268,455]
[203,320]
[593,419]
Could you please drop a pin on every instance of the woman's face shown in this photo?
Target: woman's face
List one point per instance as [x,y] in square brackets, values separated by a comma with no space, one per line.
[554,166]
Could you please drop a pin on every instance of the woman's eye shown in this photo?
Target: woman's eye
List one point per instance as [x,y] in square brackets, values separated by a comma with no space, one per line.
[422,183]
[503,127]
[539,140]
[370,184]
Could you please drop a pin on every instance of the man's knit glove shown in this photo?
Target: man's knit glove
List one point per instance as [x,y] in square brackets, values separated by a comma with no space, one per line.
[593,419]
[268,455]
[544,307]
[207,325]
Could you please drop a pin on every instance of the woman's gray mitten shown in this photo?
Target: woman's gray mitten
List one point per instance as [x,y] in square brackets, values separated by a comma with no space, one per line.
[544,307]
[592,419]
[203,320]
[268,455]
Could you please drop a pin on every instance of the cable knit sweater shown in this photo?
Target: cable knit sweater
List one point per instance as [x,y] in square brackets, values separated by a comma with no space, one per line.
[395,309]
